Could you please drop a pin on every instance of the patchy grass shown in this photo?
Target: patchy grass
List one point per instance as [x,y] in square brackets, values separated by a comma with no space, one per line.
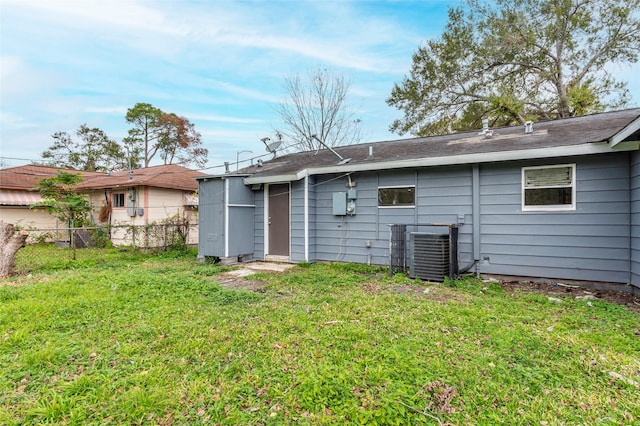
[129,338]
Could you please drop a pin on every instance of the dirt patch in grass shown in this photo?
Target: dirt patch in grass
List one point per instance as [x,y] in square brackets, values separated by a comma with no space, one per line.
[241,278]
[434,292]
[242,283]
[628,300]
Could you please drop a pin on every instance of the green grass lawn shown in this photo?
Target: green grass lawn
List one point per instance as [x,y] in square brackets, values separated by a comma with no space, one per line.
[128,338]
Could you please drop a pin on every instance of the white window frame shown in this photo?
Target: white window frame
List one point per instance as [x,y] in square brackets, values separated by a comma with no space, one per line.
[404,206]
[553,207]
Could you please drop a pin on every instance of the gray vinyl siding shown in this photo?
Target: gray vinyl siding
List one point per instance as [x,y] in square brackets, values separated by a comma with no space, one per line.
[590,243]
[443,194]
[599,241]
[635,218]
[212,211]
[210,218]
[241,216]
[344,238]
[258,243]
[297,242]
[312,218]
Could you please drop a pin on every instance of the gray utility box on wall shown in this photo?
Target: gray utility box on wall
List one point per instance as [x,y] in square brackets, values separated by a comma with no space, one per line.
[344,203]
[339,203]
[430,257]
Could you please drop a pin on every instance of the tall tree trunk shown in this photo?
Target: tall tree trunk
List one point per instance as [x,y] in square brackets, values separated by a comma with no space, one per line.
[10,242]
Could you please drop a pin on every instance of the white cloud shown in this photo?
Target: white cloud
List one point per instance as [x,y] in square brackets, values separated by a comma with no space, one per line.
[110,110]
[222,119]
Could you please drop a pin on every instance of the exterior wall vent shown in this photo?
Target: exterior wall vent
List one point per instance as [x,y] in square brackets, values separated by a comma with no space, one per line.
[433,257]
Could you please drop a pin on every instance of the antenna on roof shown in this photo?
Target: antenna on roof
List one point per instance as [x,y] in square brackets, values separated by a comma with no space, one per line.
[342,160]
[273,146]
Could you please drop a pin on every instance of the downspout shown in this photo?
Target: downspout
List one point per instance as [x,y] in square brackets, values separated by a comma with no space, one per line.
[225,197]
[475,208]
[629,179]
[475,214]
[306,217]
[265,220]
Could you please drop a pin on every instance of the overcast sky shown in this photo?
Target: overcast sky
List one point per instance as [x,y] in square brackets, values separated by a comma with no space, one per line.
[218,63]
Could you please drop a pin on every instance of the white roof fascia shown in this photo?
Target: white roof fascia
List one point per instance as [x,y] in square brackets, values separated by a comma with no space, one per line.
[486,157]
[625,133]
[223,176]
[275,178]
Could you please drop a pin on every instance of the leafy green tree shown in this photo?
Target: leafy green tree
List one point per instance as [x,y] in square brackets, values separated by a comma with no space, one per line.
[517,60]
[60,197]
[167,135]
[92,151]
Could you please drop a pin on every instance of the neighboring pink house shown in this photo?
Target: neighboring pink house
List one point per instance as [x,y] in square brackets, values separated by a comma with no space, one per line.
[138,198]
[18,194]
[144,197]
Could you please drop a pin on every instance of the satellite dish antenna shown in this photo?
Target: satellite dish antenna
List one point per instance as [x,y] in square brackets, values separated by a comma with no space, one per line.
[271,147]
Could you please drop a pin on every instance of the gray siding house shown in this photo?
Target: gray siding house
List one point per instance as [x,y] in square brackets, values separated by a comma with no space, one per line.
[557,200]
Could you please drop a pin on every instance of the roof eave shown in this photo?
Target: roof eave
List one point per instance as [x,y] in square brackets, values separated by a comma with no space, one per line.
[222,176]
[487,157]
[275,178]
[623,134]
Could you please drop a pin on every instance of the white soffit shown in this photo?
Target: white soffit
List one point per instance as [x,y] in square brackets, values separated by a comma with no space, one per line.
[625,133]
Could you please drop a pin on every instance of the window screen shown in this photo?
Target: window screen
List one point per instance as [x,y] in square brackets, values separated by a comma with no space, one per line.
[549,188]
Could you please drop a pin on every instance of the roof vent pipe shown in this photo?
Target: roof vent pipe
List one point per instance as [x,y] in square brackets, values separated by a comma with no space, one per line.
[528,127]
[486,132]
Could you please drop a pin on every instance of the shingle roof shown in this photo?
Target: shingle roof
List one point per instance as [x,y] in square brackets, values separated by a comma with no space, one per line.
[169,176]
[558,133]
[166,176]
[26,177]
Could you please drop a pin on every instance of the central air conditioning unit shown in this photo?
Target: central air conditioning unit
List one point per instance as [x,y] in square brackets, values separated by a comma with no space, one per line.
[433,257]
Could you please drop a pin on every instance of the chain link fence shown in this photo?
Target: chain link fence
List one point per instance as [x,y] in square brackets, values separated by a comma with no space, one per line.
[156,236]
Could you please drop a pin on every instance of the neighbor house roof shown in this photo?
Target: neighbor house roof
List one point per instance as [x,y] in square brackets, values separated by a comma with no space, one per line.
[592,134]
[17,184]
[26,177]
[169,176]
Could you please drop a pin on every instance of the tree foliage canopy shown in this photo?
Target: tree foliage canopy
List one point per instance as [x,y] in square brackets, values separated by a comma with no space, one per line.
[94,151]
[318,106]
[517,60]
[60,197]
[155,132]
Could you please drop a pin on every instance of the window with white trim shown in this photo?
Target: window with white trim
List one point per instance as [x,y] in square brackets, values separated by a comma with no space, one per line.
[549,188]
[397,196]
